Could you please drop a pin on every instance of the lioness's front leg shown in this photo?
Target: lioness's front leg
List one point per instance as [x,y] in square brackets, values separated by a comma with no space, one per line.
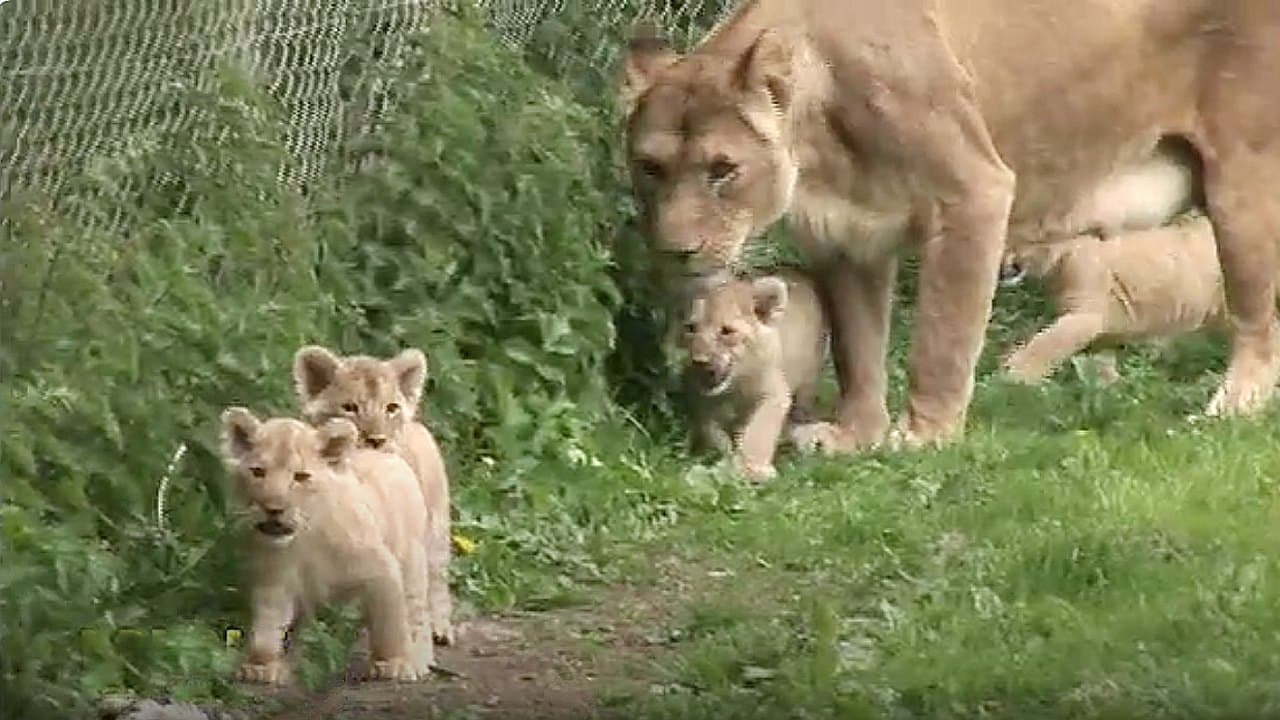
[857,297]
[273,610]
[758,438]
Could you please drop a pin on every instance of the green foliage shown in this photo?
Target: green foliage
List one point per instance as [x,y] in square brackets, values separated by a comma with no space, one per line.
[474,228]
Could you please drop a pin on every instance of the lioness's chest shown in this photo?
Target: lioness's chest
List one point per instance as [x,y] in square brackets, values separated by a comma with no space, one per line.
[827,221]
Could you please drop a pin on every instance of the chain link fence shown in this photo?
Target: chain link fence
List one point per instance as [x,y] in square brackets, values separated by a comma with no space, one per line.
[84,79]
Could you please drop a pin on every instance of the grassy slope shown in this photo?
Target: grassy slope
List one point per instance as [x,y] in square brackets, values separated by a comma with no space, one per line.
[1084,553]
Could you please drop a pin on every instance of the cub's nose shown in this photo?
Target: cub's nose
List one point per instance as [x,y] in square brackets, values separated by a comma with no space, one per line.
[709,376]
[274,512]
[376,441]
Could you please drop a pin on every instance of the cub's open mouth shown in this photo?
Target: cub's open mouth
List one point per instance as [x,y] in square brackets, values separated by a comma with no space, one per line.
[274,528]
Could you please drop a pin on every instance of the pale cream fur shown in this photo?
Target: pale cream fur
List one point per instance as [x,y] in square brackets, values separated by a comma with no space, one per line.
[382,398]
[1141,285]
[943,127]
[329,521]
[756,348]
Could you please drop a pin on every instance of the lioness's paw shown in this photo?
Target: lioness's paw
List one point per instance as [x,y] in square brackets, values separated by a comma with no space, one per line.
[755,472]
[273,672]
[1231,399]
[399,669]
[828,439]
[909,435]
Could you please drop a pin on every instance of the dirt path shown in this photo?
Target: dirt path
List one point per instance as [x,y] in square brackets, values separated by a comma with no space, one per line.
[563,664]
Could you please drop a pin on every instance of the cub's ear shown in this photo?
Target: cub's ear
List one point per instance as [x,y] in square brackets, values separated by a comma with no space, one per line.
[769,298]
[766,65]
[410,368]
[646,55]
[314,369]
[337,439]
[239,427]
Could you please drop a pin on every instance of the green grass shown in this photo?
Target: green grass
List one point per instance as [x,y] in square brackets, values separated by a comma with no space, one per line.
[1085,552]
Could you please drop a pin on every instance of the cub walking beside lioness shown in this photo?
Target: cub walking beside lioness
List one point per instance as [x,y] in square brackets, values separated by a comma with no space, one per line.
[1137,285]
[382,397]
[755,350]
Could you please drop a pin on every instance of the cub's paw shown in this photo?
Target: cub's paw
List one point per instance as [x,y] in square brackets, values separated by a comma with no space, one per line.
[272,672]
[399,669]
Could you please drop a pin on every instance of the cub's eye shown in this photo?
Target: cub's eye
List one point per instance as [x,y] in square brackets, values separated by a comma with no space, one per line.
[301,477]
[690,328]
[349,407]
[258,472]
[393,408]
[721,170]
[727,331]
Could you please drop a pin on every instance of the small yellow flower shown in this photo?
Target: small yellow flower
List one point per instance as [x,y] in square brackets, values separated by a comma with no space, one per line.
[464,544]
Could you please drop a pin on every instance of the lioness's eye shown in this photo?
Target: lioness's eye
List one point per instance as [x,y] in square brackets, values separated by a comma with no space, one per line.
[726,331]
[393,408]
[690,328]
[649,168]
[258,472]
[301,477]
[721,170]
[349,407]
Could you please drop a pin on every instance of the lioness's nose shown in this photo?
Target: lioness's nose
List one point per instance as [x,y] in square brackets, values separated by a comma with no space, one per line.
[376,441]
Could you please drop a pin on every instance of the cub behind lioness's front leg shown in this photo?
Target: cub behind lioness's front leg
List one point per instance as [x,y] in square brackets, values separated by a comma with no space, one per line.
[382,398]
[755,351]
[329,521]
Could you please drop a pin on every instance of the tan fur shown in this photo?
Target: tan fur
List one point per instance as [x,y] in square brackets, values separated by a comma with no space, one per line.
[755,350]
[329,521]
[382,398]
[1143,285]
[943,126]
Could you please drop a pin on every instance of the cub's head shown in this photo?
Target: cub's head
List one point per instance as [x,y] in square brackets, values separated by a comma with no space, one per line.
[379,396]
[707,139]
[280,467]
[731,329]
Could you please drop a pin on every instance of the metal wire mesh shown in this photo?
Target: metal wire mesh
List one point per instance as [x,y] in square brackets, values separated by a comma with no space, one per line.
[83,79]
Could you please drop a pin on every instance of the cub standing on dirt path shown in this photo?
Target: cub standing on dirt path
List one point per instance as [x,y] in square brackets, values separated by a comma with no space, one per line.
[382,398]
[1140,285]
[945,125]
[755,352]
[330,521]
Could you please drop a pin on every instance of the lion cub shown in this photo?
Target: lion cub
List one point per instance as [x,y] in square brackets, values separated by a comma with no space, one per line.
[329,521]
[1139,285]
[382,397]
[755,350]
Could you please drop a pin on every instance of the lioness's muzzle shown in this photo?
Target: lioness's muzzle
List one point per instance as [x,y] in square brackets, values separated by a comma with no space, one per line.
[274,528]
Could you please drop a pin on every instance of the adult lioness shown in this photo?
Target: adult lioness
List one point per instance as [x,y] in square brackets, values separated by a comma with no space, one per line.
[951,122]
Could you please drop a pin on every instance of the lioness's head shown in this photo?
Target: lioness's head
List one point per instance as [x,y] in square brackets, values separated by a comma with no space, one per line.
[379,396]
[707,137]
[731,329]
[280,466]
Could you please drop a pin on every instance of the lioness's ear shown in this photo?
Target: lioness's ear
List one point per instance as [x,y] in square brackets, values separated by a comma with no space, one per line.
[314,369]
[769,296]
[337,439]
[646,55]
[410,368]
[766,65]
[238,429]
